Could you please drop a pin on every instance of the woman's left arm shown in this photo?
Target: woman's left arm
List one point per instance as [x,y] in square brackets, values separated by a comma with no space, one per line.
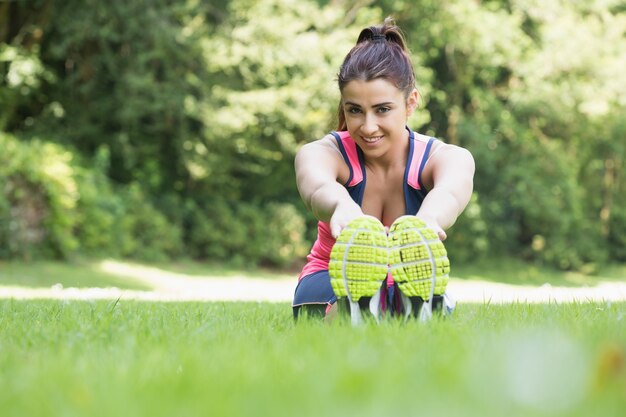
[450,172]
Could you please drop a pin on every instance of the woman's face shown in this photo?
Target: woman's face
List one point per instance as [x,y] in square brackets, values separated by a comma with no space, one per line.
[376,114]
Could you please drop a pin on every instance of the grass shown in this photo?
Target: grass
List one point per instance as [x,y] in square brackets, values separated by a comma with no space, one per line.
[233,359]
[515,271]
[84,273]
[78,274]
[89,273]
[505,270]
[79,358]
[204,269]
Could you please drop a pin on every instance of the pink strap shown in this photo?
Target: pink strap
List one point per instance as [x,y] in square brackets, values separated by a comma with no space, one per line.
[419,148]
[350,147]
[390,279]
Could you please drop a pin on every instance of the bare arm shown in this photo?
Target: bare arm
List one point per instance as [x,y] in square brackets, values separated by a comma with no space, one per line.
[451,172]
[318,167]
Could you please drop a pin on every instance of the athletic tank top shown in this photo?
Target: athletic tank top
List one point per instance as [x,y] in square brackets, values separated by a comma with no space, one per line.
[414,190]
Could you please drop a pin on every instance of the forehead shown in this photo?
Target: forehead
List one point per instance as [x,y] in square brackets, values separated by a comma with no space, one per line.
[371,92]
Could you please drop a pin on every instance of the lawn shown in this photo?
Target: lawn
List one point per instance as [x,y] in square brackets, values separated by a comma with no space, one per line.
[77,274]
[130,358]
[515,271]
[93,273]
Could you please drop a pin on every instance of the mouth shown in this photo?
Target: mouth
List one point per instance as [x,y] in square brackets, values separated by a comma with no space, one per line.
[372,139]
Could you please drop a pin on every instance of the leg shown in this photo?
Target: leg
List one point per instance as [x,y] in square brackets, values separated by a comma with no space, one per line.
[313,296]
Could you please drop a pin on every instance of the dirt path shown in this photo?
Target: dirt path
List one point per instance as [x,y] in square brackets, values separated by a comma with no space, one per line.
[168,286]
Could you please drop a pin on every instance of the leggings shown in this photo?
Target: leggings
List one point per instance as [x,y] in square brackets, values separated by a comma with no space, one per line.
[314,295]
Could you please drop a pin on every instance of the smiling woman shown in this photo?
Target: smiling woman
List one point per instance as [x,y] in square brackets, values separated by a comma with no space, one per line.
[375,113]
[383,194]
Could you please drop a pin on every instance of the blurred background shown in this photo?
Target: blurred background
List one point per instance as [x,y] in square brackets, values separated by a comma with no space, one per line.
[159,130]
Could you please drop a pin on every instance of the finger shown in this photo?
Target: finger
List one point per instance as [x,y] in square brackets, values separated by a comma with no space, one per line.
[335,230]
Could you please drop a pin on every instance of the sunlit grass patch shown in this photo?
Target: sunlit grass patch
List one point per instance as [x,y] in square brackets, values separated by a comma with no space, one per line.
[517,272]
[212,269]
[78,274]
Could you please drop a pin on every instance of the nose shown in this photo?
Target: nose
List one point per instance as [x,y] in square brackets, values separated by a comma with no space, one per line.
[369,126]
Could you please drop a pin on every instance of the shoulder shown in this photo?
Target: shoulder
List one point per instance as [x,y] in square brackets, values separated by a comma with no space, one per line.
[447,151]
[322,155]
[445,159]
[451,160]
[438,146]
[418,137]
[322,152]
[327,142]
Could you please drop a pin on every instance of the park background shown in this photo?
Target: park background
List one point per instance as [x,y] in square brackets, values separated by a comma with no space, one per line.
[146,166]
[162,130]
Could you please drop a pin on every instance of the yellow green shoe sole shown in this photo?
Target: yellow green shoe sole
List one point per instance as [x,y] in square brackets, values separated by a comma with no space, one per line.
[359,259]
[417,257]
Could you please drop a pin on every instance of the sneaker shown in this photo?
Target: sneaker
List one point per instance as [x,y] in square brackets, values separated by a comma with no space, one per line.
[359,263]
[419,264]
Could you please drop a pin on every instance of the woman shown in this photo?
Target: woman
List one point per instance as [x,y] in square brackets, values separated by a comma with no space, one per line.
[383,194]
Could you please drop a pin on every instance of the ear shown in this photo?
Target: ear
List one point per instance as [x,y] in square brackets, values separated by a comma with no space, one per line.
[411,102]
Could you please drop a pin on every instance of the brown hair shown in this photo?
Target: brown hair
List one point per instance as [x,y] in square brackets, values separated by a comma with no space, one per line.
[380,52]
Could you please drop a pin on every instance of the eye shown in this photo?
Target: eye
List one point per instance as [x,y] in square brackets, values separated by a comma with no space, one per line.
[354,110]
[383,109]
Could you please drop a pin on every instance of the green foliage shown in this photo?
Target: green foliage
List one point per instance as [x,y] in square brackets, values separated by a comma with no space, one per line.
[39,196]
[534,91]
[617,234]
[195,111]
[245,234]
[155,238]
[53,206]
[469,238]
[285,240]
[270,87]
[24,73]
[122,72]
[123,222]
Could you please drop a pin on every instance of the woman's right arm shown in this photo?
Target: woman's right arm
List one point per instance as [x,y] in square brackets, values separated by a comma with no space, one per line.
[319,166]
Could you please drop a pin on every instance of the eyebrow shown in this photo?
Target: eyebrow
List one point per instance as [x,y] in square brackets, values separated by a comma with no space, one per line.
[386,103]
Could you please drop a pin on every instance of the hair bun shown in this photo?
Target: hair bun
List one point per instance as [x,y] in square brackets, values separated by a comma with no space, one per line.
[379,37]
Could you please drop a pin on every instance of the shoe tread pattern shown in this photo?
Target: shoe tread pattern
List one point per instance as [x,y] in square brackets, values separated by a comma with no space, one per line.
[359,259]
[411,244]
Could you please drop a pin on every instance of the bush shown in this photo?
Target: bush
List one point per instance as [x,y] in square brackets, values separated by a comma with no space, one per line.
[153,236]
[617,234]
[52,206]
[245,234]
[124,223]
[38,199]
[468,238]
[286,229]
[100,216]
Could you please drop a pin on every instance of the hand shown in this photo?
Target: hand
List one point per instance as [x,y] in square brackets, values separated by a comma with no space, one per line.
[434,225]
[343,215]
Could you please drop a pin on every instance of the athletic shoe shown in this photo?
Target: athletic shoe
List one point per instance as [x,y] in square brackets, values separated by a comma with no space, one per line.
[419,264]
[359,262]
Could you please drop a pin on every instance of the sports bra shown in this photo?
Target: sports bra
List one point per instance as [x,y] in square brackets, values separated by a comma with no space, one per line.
[414,190]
